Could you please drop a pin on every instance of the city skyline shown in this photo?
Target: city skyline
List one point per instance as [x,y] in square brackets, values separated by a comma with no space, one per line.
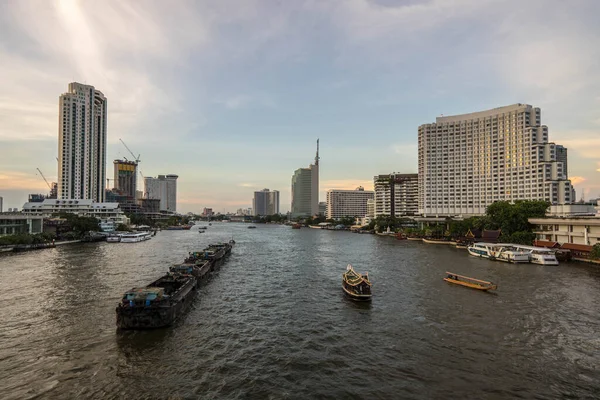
[230,98]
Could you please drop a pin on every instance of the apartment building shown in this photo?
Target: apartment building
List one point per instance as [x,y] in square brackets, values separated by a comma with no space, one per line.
[305,190]
[396,194]
[82,143]
[164,188]
[467,162]
[265,202]
[348,203]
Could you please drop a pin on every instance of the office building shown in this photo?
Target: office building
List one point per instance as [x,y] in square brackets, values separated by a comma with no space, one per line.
[265,202]
[164,188]
[1,201]
[207,212]
[125,177]
[305,190]
[467,162]
[396,194]
[82,143]
[348,203]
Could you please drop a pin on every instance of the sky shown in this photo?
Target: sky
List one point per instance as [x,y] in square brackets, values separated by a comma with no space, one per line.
[232,95]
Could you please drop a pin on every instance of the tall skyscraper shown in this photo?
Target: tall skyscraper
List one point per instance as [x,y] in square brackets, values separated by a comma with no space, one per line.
[82,143]
[396,194]
[305,189]
[163,188]
[265,202]
[125,177]
[561,156]
[1,200]
[348,203]
[467,162]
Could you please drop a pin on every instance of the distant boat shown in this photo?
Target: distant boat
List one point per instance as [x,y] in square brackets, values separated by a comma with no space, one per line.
[252,227]
[355,285]
[469,282]
[201,231]
[203,227]
[296,226]
[178,228]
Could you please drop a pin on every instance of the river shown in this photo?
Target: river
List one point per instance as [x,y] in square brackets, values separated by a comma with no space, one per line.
[274,323]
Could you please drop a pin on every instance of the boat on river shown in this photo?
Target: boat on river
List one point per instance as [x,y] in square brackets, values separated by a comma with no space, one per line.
[134,237]
[469,282]
[355,285]
[199,269]
[538,255]
[498,251]
[296,226]
[158,304]
[251,227]
[113,238]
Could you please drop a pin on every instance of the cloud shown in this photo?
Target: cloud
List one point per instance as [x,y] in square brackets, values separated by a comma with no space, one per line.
[576,180]
[247,185]
[15,180]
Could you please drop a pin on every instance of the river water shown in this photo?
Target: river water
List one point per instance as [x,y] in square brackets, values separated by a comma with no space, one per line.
[274,323]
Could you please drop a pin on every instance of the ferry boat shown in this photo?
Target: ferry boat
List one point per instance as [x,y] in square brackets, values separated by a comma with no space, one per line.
[113,238]
[134,237]
[355,285]
[469,282]
[498,251]
[538,255]
[157,305]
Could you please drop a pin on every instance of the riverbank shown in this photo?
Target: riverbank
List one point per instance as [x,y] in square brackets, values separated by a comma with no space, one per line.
[18,248]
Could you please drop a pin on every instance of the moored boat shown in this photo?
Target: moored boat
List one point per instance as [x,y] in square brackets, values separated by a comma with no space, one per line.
[113,238]
[469,282]
[157,305]
[498,251]
[296,226]
[134,237]
[538,255]
[355,285]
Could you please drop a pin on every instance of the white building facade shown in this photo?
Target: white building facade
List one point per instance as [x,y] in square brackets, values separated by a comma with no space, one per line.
[396,194]
[265,202]
[577,230]
[82,143]
[109,214]
[348,203]
[467,162]
[164,188]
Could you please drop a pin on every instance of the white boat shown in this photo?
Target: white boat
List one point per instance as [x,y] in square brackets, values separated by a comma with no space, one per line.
[134,237]
[498,251]
[114,238]
[538,255]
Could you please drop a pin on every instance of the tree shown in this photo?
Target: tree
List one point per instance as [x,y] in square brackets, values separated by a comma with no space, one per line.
[595,253]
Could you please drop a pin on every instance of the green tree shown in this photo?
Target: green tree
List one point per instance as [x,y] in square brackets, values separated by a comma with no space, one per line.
[595,253]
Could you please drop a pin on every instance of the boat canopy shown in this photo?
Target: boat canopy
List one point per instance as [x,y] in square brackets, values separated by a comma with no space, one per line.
[148,293]
[353,278]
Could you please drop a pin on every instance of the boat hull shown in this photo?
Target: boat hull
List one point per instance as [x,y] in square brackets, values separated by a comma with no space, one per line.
[470,285]
[356,297]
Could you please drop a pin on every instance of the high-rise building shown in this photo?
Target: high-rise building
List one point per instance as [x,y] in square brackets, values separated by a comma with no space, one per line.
[467,162]
[370,208]
[125,177]
[1,201]
[561,156]
[265,202]
[305,189]
[164,187]
[348,203]
[396,194]
[82,143]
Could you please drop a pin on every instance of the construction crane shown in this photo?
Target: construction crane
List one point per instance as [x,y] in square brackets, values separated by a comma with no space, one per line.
[137,159]
[45,180]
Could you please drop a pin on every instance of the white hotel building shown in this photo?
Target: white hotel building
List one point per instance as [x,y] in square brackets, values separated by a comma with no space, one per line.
[348,203]
[467,162]
[82,143]
[396,194]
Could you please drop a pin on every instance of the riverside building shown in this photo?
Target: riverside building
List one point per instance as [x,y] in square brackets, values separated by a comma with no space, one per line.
[265,202]
[305,190]
[125,177]
[396,194]
[348,203]
[469,161]
[163,188]
[82,143]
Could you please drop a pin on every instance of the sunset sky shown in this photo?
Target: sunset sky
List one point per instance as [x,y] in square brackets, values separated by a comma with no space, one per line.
[232,95]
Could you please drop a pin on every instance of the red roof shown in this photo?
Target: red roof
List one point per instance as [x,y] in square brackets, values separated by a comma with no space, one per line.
[577,247]
[546,243]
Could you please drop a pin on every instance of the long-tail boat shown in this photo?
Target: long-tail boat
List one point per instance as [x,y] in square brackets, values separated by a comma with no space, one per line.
[157,305]
[469,282]
[355,285]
